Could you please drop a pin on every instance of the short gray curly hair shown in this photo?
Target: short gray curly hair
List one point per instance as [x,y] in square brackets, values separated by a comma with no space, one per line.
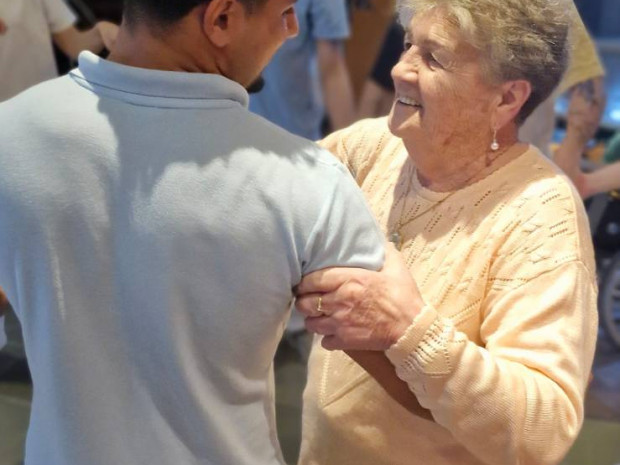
[518,39]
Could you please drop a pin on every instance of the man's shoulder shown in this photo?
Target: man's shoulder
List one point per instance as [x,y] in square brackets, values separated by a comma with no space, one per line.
[46,94]
[269,137]
[45,106]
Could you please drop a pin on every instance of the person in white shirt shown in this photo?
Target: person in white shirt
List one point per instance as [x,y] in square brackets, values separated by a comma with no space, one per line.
[27,30]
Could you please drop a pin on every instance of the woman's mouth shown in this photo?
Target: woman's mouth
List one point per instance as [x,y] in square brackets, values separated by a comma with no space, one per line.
[408,101]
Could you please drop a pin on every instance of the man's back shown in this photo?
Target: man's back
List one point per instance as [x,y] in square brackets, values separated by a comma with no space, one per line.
[151,232]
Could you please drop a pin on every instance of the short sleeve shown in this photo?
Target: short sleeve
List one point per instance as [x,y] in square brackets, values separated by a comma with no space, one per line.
[329,19]
[346,232]
[58,15]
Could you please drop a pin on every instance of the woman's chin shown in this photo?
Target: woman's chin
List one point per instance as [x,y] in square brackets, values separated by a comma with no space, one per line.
[401,127]
[394,123]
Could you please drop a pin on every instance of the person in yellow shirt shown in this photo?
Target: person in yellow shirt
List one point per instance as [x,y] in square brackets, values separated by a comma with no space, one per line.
[584,80]
[585,73]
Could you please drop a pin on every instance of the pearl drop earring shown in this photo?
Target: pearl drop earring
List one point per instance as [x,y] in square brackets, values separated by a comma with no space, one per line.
[495,144]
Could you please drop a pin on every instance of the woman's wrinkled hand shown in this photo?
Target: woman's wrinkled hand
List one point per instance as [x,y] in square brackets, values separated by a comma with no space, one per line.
[357,309]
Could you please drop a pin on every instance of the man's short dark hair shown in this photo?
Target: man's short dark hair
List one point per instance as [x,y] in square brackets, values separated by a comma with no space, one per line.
[168,12]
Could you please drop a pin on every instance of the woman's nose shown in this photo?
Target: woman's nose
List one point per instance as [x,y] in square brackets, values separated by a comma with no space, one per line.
[405,71]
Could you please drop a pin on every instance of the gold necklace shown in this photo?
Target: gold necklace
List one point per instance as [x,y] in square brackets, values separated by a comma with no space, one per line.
[395,237]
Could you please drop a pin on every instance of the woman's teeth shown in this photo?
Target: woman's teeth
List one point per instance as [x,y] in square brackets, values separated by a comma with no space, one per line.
[408,101]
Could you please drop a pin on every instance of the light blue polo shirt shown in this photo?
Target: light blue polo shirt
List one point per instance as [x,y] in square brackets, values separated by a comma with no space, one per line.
[151,232]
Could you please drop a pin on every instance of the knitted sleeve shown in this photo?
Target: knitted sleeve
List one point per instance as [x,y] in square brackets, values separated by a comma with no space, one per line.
[359,145]
[516,398]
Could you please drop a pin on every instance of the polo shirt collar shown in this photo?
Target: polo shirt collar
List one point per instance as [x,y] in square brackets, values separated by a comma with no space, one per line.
[157,88]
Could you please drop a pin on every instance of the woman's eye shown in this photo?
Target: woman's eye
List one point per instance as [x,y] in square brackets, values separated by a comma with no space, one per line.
[407,45]
[431,60]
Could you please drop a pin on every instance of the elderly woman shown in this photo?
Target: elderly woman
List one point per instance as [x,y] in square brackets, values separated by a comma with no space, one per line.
[486,317]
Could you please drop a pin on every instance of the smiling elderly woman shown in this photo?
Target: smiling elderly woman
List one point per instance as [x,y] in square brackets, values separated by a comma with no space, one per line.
[487,316]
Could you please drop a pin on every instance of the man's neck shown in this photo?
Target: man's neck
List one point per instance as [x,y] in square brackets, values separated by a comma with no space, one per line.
[172,51]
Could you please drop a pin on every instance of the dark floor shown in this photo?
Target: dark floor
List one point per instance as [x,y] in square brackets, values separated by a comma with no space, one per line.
[599,441]
[603,401]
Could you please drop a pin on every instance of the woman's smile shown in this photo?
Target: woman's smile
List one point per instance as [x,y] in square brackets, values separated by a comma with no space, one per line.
[408,101]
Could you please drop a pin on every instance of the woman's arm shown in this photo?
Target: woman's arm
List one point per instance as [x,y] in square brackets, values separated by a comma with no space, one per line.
[382,370]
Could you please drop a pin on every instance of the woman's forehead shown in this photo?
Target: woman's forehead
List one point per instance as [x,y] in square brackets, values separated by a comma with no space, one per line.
[435,29]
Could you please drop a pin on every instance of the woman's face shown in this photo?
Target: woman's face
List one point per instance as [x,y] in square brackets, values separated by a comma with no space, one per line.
[442,101]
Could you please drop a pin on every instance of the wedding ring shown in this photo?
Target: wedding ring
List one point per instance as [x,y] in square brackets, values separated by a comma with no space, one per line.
[319,306]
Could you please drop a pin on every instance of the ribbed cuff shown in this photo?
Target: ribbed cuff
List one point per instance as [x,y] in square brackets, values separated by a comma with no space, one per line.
[409,342]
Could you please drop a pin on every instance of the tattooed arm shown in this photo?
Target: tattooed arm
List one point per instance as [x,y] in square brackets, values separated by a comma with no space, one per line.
[587,103]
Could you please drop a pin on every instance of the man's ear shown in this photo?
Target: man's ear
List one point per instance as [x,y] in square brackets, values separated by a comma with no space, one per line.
[513,96]
[221,20]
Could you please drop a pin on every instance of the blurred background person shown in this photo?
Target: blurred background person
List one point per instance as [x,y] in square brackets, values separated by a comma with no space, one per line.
[27,30]
[586,71]
[377,94]
[308,80]
[584,82]
[582,123]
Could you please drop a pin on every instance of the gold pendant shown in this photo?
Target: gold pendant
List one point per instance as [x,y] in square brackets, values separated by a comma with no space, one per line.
[395,239]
